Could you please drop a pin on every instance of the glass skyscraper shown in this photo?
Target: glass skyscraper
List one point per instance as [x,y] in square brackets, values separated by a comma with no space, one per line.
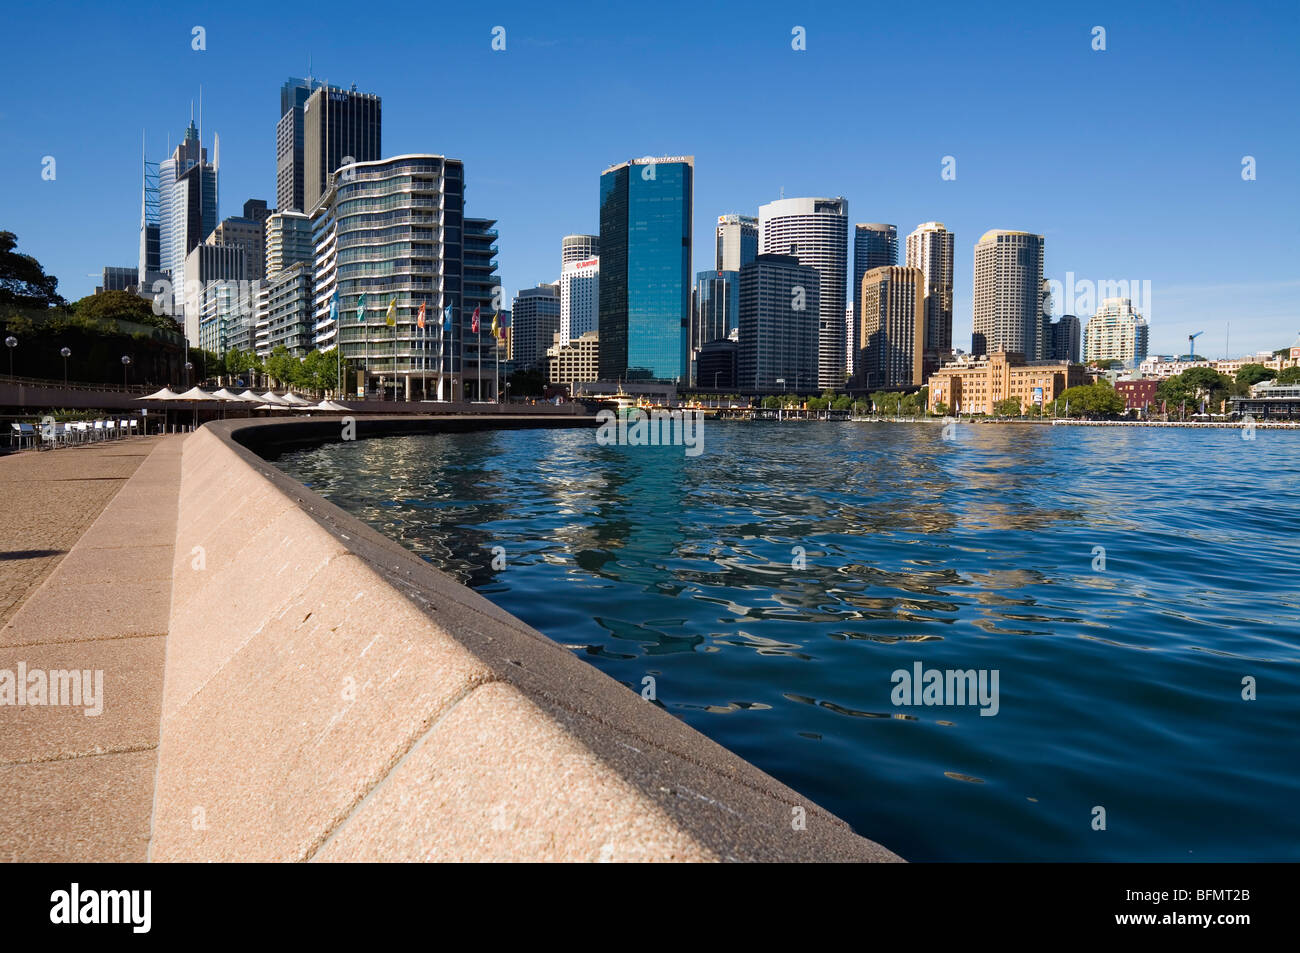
[645,263]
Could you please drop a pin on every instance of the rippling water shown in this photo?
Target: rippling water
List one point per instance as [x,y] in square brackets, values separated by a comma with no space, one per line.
[1118,688]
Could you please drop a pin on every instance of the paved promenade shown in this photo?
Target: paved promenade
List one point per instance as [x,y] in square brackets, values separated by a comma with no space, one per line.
[87,573]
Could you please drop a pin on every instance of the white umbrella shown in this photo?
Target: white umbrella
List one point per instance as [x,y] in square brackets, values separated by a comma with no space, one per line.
[331,406]
[224,394]
[165,394]
[296,400]
[272,398]
[250,396]
[196,393]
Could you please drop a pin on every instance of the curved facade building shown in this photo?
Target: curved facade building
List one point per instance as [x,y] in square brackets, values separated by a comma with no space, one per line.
[394,230]
[816,231]
[576,248]
[1008,305]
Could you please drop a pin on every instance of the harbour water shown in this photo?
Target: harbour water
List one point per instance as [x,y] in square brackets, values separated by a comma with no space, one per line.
[1134,590]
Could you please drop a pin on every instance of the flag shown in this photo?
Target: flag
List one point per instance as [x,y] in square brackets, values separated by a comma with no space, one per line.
[446,319]
[496,325]
[474,326]
[334,306]
[391,316]
[361,308]
[419,318]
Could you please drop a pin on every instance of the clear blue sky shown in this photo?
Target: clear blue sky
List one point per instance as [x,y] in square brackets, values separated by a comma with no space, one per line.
[1128,160]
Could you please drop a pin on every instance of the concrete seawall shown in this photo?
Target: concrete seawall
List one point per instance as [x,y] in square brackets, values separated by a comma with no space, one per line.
[330,696]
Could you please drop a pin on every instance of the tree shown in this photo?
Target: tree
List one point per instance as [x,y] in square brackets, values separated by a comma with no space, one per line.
[23,282]
[1090,400]
[1009,407]
[1249,374]
[771,403]
[940,409]
[121,306]
[1289,375]
[843,402]
[527,383]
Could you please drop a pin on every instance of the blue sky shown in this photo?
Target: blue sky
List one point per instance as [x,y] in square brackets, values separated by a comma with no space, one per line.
[1128,160]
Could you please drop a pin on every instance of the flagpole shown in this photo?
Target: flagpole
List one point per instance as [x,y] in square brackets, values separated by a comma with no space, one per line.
[478,383]
[394,355]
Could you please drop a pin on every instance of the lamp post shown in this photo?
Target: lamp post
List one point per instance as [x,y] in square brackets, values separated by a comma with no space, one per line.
[11,342]
[126,362]
[67,353]
[188,367]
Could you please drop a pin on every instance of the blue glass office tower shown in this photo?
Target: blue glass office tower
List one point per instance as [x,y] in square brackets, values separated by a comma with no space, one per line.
[645,268]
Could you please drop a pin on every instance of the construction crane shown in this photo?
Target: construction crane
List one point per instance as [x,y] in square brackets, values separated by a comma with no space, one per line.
[1191,344]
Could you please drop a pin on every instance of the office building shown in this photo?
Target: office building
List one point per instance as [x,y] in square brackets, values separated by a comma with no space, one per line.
[1067,338]
[289,310]
[1007,314]
[815,230]
[718,365]
[737,242]
[187,207]
[715,310]
[974,385]
[579,298]
[219,306]
[645,263]
[248,231]
[851,336]
[535,323]
[478,354]
[575,361]
[576,248]
[875,245]
[340,127]
[117,279]
[930,248]
[1116,332]
[290,161]
[780,309]
[892,340]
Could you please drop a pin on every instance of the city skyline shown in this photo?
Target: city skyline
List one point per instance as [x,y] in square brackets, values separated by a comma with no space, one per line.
[1106,214]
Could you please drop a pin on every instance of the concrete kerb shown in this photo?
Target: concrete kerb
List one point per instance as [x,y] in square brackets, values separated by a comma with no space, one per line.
[593,736]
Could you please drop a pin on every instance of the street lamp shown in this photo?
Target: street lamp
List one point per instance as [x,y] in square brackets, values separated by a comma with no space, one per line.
[11,342]
[188,367]
[67,353]
[126,362]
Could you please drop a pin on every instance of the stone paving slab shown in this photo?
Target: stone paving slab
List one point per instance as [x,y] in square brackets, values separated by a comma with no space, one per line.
[77,787]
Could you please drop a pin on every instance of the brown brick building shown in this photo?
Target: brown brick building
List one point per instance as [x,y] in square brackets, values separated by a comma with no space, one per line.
[974,385]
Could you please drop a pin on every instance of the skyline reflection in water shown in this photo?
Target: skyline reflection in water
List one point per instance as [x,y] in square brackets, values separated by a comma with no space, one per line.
[1119,688]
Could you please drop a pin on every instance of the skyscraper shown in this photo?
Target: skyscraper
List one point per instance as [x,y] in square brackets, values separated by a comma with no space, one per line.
[780,313]
[1008,294]
[645,264]
[284,306]
[579,299]
[1066,339]
[483,291]
[289,144]
[816,231]
[187,206]
[893,328]
[574,248]
[340,127]
[247,231]
[929,248]
[874,246]
[534,323]
[715,310]
[737,242]
[1116,332]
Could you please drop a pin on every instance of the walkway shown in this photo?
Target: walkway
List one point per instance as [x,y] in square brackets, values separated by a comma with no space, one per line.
[86,579]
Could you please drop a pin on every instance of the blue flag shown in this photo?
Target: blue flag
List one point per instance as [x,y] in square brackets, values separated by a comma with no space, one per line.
[334,306]
[361,308]
[446,319]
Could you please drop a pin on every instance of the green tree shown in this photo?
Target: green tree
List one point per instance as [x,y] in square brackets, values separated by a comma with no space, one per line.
[843,402]
[1249,374]
[771,403]
[122,306]
[1288,375]
[1090,400]
[23,282]
[1009,407]
[940,409]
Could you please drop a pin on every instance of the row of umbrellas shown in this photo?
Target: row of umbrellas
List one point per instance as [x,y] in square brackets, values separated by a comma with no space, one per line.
[268,401]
